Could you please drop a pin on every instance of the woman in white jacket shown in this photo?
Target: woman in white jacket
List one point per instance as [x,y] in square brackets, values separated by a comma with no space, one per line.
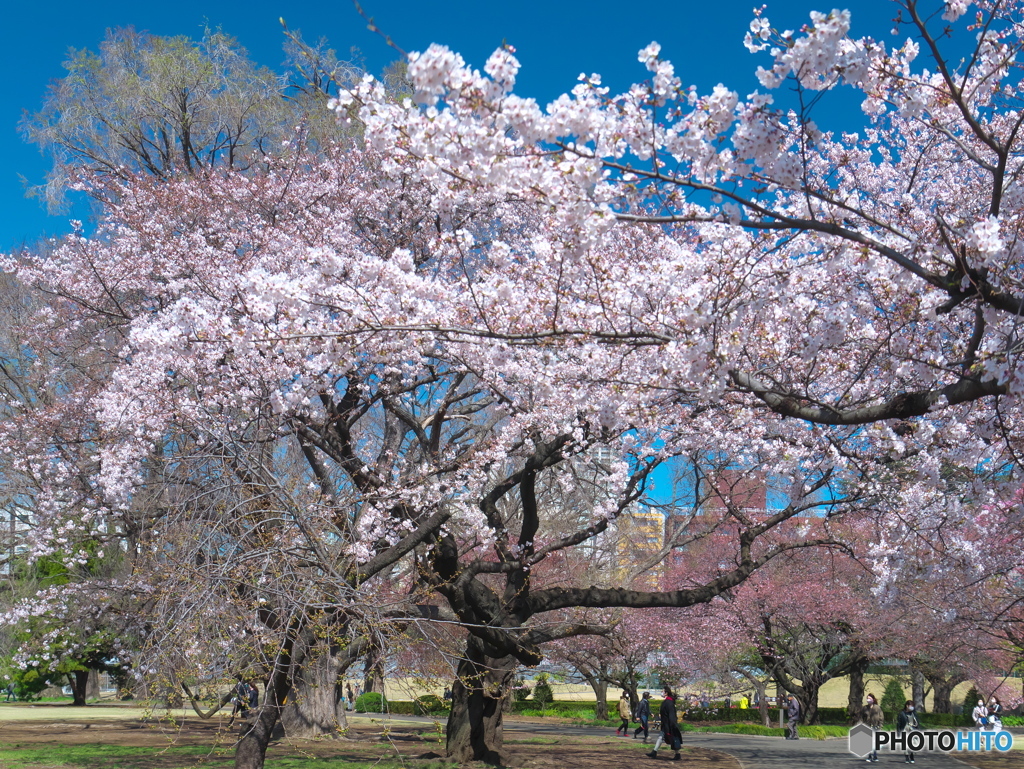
[980,715]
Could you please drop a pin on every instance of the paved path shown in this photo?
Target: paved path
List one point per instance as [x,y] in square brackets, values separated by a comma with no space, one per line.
[764,752]
[752,752]
[776,753]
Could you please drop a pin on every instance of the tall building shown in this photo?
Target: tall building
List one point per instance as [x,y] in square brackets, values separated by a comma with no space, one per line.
[639,537]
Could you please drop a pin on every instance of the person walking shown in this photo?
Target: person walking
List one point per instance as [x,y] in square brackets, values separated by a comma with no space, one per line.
[10,693]
[995,710]
[871,715]
[980,715]
[907,721]
[793,715]
[624,714]
[240,701]
[351,697]
[670,733]
[643,715]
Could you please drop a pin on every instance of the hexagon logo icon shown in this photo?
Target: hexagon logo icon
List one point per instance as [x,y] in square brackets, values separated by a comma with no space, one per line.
[862,740]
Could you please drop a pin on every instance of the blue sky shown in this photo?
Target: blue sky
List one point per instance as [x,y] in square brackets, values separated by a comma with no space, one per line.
[555,42]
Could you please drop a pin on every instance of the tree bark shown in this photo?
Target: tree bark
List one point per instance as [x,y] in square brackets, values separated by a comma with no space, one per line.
[314,708]
[600,687]
[474,728]
[373,677]
[855,700]
[917,688]
[943,690]
[258,728]
[79,681]
[92,686]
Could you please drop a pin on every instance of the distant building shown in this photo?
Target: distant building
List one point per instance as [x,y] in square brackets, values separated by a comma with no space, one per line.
[15,523]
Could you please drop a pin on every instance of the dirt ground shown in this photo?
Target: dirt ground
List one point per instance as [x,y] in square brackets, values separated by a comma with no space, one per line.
[417,744]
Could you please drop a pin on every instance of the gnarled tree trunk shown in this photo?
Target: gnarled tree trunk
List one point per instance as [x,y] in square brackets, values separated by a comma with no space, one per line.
[314,707]
[474,728]
[942,686]
[855,701]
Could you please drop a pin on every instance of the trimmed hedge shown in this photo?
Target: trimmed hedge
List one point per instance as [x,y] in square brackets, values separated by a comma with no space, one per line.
[560,709]
[929,720]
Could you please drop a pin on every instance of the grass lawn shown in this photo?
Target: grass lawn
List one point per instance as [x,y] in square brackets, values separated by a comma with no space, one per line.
[192,743]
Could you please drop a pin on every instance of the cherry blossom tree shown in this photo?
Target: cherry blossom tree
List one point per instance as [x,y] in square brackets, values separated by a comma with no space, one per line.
[902,280]
[452,330]
[280,386]
[875,270]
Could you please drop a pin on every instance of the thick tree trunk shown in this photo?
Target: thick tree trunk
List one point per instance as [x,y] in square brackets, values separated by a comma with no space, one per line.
[600,687]
[807,694]
[79,681]
[943,691]
[810,714]
[92,686]
[856,698]
[314,707]
[258,728]
[373,677]
[917,688]
[475,725]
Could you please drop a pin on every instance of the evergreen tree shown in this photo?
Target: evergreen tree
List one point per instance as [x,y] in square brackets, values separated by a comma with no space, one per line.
[893,699]
[971,699]
[542,693]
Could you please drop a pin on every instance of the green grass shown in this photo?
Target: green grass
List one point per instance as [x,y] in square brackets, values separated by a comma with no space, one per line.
[339,763]
[175,757]
[109,756]
[807,732]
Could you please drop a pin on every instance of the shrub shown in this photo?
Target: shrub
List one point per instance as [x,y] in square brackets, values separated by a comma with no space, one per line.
[28,683]
[542,694]
[932,720]
[371,702]
[970,700]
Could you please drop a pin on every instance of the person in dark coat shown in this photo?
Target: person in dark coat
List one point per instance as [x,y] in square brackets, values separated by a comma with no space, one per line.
[793,715]
[643,715]
[905,722]
[670,733]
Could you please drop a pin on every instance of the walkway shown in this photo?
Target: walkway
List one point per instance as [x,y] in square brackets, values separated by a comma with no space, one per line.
[776,753]
[752,752]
